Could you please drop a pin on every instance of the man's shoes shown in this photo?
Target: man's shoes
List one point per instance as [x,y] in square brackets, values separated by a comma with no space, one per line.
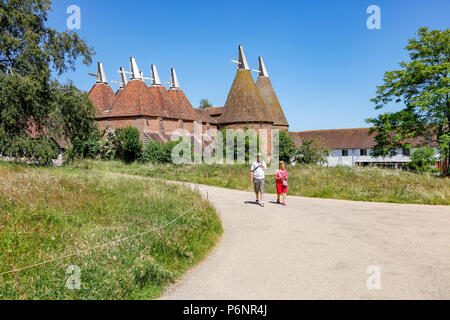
[257,201]
[262,204]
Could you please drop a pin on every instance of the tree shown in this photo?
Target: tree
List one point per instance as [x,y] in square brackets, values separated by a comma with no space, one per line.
[128,144]
[423,86]
[204,104]
[29,100]
[287,147]
[311,152]
[423,160]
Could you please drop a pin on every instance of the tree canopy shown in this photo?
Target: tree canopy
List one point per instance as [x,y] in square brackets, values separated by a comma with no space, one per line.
[34,108]
[422,85]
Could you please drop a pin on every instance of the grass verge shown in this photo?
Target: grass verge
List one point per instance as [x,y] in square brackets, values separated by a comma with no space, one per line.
[49,213]
[357,183]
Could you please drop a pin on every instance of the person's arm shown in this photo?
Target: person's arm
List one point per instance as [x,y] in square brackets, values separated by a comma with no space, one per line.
[251,173]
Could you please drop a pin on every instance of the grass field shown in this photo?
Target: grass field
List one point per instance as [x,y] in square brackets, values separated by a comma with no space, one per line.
[358,183]
[49,213]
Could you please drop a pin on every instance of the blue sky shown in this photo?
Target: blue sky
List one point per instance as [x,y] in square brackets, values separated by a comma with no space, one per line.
[323,61]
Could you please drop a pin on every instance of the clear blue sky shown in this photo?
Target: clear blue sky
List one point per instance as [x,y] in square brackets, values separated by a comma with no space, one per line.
[323,61]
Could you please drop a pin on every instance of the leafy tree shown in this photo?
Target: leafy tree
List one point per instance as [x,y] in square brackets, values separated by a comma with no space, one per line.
[311,152]
[423,160]
[204,104]
[287,147]
[128,144]
[29,100]
[423,86]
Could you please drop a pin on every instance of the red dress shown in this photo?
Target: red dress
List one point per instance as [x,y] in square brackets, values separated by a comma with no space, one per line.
[283,175]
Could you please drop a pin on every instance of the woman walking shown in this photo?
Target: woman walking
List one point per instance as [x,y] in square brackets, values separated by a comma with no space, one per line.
[282,183]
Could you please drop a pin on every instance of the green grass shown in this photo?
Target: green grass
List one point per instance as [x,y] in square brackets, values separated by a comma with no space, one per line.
[48,213]
[358,183]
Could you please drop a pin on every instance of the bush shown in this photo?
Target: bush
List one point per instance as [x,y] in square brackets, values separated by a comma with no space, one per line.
[128,144]
[311,152]
[158,152]
[107,145]
[423,160]
[87,149]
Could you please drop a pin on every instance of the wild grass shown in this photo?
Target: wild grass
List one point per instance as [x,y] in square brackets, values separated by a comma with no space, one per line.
[357,183]
[49,213]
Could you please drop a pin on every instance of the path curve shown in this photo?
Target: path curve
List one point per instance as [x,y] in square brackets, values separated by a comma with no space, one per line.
[321,249]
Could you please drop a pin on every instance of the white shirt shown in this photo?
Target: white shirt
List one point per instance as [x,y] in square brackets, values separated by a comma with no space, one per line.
[258,173]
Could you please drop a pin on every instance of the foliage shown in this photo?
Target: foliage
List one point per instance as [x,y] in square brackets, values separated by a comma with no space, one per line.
[29,47]
[287,149]
[88,149]
[423,160]
[311,152]
[158,152]
[53,212]
[128,144]
[423,86]
[32,106]
[204,104]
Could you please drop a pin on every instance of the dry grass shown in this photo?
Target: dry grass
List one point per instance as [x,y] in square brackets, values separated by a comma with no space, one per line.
[48,213]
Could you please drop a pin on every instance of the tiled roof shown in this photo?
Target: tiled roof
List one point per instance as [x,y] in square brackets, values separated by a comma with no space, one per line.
[244,102]
[185,110]
[337,139]
[102,96]
[136,99]
[345,138]
[215,111]
[270,99]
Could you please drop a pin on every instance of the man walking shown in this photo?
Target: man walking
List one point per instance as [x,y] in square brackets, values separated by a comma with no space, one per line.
[257,176]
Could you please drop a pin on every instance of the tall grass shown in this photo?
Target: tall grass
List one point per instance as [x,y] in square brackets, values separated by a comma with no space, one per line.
[357,183]
[49,213]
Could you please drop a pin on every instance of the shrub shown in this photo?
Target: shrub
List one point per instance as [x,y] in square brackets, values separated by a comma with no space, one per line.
[311,152]
[88,149]
[423,160]
[107,146]
[158,152]
[128,144]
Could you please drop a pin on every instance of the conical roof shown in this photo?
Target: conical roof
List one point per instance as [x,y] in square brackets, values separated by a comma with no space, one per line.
[161,97]
[102,96]
[265,88]
[135,100]
[185,109]
[244,102]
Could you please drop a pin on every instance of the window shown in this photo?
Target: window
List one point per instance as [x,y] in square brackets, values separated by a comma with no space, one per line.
[345,153]
[363,152]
